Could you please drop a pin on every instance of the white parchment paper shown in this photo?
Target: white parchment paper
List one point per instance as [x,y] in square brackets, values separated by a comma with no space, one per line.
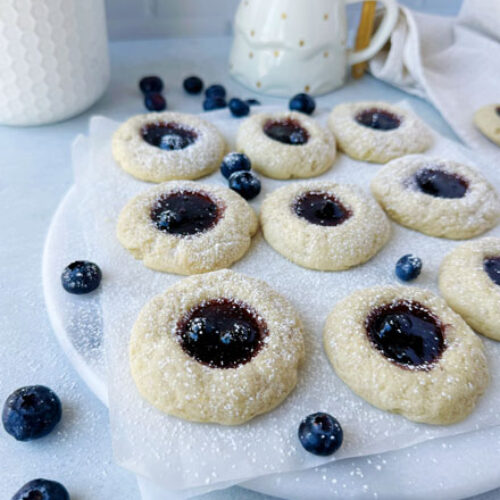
[180,454]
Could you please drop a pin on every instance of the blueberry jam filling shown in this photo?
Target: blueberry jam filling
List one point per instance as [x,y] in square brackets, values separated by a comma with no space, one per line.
[378,119]
[441,184]
[168,136]
[185,212]
[287,131]
[406,333]
[221,333]
[492,268]
[322,209]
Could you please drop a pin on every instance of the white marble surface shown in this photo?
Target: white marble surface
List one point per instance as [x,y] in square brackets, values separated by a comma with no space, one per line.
[35,172]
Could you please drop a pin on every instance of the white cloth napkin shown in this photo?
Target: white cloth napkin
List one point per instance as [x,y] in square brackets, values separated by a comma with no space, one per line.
[454,63]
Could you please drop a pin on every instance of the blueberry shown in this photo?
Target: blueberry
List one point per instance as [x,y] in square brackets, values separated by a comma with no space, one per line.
[227,337]
[240,332]
[151,84]
[215,91]
[31,412]
[243,333]
[252,102]
[193,85]
[321,434]
[197,327]
[303,103]
[172,142]
[155,102]
[246,184]
[238,107]
[168,220]
[234,162]
[408,267]
[210,103]
[81,277]
[42,489]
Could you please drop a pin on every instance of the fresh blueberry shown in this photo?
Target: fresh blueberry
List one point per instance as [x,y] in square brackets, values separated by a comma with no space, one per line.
[81,277]
[155,102]
[212,103]
[321,434]
[31,412]
[303,103]
[252,102]
[238,107]
[172,142]
[234,162]
[193,85]
[240,332]
[408,267]
[151,85]
[243,333]
[168,220]
[215,91]
[42,489]
[197,327]
[246,184]
[227,337]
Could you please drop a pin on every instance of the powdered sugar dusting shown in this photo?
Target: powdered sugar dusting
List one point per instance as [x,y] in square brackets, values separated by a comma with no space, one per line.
[182,454]
[380,146]
[151,163]
[396,189]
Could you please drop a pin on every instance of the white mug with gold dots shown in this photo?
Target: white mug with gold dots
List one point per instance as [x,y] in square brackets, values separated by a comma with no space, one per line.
[282,47]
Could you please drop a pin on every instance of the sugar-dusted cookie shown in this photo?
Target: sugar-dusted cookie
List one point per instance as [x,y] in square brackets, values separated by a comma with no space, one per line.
[218,347]
[323,225]
[404,350]
[159,147]
[186,227]
[487,120]
[378,131]
[437,197]
[286,144]
[469,280]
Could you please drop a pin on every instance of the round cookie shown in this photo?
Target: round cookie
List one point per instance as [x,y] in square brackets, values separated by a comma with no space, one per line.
[159,147]
[377,131]
[286,145]
[405,351]
[469,279]
[219,347]
[437,197]
[487,120]
[187,227]
[323,225]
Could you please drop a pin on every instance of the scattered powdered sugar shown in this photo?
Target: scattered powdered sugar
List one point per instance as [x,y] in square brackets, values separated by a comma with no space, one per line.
[152,163]
[180,454]
[396,187]
[412,135]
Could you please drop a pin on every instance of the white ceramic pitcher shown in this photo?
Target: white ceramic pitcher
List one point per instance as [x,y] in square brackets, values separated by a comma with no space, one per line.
[282,47]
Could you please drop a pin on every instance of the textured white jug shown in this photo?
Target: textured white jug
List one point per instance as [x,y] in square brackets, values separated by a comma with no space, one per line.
[282,47]
[53,59]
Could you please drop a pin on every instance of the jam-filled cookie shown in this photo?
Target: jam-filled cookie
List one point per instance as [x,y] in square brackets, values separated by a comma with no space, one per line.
[286,144]
[218,347]
[404,350]
[377,131]
[469,280]
[159,147]
[437,197]
[186,227]
[323,225]
[487,120]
